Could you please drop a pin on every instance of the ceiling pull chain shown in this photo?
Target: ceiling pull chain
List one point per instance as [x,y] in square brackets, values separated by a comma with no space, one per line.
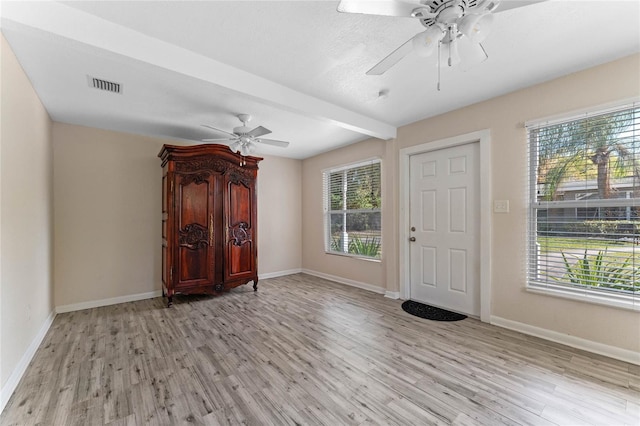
[486,55]
[439,44]
[449,46]
[452,39]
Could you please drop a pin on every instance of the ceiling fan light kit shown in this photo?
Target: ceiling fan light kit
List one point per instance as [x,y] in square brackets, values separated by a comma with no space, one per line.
[476,26]
[424,43]
[243,147]
[446,22]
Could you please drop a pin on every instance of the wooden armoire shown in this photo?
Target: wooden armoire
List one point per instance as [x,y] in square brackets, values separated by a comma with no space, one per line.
[209,229]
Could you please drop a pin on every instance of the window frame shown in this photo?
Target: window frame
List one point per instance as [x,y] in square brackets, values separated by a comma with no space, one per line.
[327,212]
[594,295]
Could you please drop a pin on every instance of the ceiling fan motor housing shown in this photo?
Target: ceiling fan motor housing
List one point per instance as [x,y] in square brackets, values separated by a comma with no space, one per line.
[439,7]
[241,130]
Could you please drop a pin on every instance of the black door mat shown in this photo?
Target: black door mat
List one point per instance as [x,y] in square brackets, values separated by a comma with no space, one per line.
[430,312]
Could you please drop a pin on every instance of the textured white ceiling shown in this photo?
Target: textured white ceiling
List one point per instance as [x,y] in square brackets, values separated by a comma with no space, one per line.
[297,66]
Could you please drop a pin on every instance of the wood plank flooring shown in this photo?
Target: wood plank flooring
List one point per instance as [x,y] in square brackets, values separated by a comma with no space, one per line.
[306,351]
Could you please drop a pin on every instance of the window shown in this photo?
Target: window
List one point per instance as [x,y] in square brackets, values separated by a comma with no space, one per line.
[584,215]
[352,203]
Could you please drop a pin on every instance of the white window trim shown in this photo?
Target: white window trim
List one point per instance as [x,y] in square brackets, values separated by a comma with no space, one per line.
[597,297]
[354,256]
[594,296]
[326,211]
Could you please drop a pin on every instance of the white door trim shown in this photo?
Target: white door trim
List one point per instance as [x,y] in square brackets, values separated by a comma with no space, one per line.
[484,139]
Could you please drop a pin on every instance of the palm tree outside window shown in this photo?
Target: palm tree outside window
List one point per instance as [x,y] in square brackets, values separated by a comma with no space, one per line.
[584,215]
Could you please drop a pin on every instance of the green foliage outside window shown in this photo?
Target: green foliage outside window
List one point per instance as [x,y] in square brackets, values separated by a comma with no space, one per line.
[586,175]
[354,210]
[602,271]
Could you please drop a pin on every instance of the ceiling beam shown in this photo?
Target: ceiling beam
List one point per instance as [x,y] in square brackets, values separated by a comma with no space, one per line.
[82,27]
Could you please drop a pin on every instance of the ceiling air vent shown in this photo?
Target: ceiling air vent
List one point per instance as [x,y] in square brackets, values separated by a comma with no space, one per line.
[109,86]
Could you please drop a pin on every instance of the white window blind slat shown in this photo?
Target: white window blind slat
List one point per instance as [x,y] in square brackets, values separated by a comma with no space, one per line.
[584,206]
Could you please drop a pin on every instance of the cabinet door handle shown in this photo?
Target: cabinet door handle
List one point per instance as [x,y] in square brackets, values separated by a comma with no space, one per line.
[211,230]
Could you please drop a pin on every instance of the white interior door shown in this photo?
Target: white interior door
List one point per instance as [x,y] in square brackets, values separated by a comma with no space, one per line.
[445,222]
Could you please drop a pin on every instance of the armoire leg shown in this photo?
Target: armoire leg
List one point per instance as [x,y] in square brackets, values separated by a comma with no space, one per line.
[255,285]
[169,301]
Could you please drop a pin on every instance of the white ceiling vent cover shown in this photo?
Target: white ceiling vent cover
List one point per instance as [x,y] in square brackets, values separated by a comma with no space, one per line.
[108,86]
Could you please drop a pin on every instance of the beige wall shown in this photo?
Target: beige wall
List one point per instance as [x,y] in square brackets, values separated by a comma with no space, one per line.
[314,257]
[25,214]
[505,117]
[107,195]
[107,188]
[279,215]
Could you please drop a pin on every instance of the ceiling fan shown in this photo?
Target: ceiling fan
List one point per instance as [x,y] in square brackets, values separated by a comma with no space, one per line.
[446,22]
[243,138]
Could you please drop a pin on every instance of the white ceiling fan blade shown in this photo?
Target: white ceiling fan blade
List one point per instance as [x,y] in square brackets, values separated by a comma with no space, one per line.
[217,140]
[259,131]
[512,4]
[220,130]
[393,58]
[471,54]
[384,7]
[281,144]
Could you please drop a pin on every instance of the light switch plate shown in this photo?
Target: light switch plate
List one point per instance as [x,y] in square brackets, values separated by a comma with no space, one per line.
[501,206]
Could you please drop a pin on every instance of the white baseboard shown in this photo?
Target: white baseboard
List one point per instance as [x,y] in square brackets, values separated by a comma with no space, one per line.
[14,379]
[392,294]
[106,302]
[149,295]
[352,283]
[279,273]
[566,339]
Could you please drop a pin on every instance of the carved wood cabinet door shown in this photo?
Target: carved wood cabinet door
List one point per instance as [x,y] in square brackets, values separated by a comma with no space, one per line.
[195,217]
[240,224]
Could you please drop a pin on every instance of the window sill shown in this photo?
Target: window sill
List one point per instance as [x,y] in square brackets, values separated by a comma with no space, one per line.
[595,297]
[354,256]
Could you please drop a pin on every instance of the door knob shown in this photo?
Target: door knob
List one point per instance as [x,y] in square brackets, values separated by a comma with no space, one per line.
[412,239]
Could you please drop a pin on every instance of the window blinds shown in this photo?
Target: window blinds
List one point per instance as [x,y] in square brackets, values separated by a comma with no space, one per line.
[352,207]
[584,215]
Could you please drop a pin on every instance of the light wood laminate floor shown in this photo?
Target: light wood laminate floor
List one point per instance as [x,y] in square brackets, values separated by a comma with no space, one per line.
[307,351]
